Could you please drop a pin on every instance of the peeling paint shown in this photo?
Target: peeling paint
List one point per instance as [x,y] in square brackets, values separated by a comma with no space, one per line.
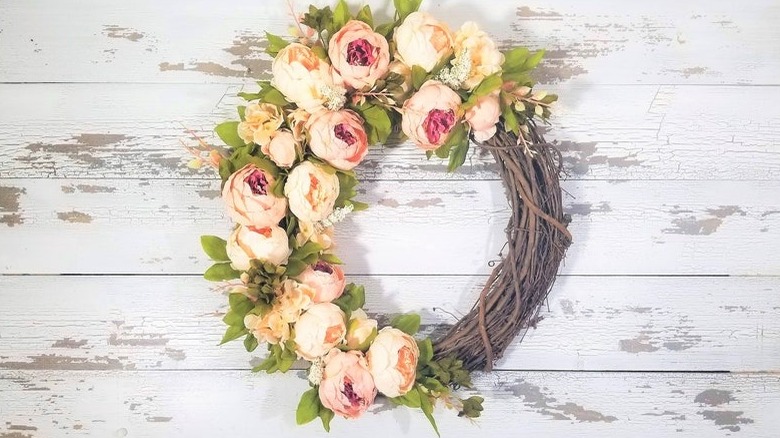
[545,405]
[210,68]
[714,397]
[150,340]
[54,362]
[526,12]
[87,188]
[730,420]
[640,344]
[69,343]
[74,217]
[691,225]
[158,419]
[9,205]
[567,306]
[586,208]
[209,194]
[81,148]
[14,435]
[126,33]
[415,203]
[175,354]
[248,48]
[21,427]
[692,71]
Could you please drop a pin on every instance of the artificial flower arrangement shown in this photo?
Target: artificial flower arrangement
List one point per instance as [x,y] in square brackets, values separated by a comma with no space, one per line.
[343,85]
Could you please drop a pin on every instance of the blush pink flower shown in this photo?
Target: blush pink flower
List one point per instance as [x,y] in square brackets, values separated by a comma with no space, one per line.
[327,281]
[359,55]
[347,387]
[483,117]
[249,200]
[338,137]
[430,114]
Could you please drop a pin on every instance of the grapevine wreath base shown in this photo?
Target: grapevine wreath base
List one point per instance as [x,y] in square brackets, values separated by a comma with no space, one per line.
[342,85]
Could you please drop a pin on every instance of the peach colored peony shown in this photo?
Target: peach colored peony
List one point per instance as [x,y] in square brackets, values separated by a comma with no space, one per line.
[319,329]
[294,298]
[327,281]
[346,387]
[311,192]
[248,199]
[422,40]
[483,117]
[430,114]
[361,330]
[308,232]
[271,327]
[261,120]
[485,57]
[282,149]
[338,137]
[392,360]
[302,77]
[359,55]
[296,120]
[269,244]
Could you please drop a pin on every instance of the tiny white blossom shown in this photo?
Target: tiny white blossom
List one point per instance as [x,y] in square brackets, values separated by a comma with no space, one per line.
[457,74]
[315,371]
[337,216]
[335,96]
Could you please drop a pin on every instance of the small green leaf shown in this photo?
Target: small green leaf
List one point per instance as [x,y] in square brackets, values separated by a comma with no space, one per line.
[341,15]
[459,149]
[418,76]
[240,304]
[221,272]
[353,298]
[214,247]
[275,44]
[267,363]
[410,399]
[234,318]
[386,29]
[366,16]
[510,119]
[427,408]
[250,342]
[295,267]
[532,61]
[378,119]
[226,169]
[275,97]
[326,415]
[241,112]
[488,85]
[426,352]
[228,132]
[331,258]
[308,407]
[306,250]
[233,332]
[514,59]
[406,7]
[408,323]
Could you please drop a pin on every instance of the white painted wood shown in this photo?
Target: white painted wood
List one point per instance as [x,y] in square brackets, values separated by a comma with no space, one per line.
[606,132]
[592,323]
[240,404]
[634,227]
[713,42]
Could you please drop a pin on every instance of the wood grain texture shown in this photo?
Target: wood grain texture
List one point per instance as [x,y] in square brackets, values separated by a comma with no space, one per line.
[591,323]
[634,227]
[713,42]
[237,403]
[639,132]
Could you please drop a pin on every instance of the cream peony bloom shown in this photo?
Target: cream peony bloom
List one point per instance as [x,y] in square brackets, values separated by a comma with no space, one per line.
[486,59]
[271,327]
[282,149]
[361,330]
[392,360]
[248,201]
[261,120]
[294,299]
[311,192]
[422,40]
[303,77]
[319,329]
[268,244]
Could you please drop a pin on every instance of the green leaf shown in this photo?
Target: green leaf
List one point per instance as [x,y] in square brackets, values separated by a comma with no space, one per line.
[510,119]
[459,148]
[514,59]
[241,112]
[267,363]
[426,352]
[306,250]
[532,61]
[228,132]
[250,342]
[226,169]
[341,15]
[221,272]
[386,29]
[214,247]
[378,119]
[410,399]
[406,7]
[240,304]
[366,16]
[249,97]
[488,85]
[295,267]
[275,44]
[427,408]
[326,415]
[308,407]
[233,332]
[418,76]
[347,184]
[331,258]
[234,318]
[275,97]
[353,298]
[408,323]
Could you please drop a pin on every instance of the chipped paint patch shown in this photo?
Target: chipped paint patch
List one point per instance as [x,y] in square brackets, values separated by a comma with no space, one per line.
[526,12]
[209,68]
[74,217]
[546,405]
[15,435]
[249,50]
[9,205]
[69,343]
[692,225]
[415,203]
[729,420]
[567,306]
[586,208]
[158,419]
[87,188]
[714,397]
[79,147]
[54,362]
[150,340]
[640,344]
[209,194]
[21,427]
[125,33]
[175,354]
[579,156]
[692,71]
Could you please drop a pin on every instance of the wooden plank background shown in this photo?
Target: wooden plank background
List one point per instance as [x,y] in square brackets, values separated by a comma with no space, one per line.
[665,320]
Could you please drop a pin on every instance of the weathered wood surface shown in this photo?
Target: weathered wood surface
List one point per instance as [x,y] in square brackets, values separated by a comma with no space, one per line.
[668,122]
[592,323]
[239,404]
[606,42]
[605,132]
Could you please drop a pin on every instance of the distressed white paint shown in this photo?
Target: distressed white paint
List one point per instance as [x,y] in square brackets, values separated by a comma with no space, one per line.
[606,132]
[592,323]
[633,227]
[715,42]
[239,404]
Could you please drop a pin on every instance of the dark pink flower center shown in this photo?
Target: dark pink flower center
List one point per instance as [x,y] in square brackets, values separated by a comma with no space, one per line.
[360,52]
[257,182]
[344,134]
[323,267]
[349,393]
[438,123]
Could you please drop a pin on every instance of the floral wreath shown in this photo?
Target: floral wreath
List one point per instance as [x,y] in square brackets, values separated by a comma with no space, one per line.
[287,179]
